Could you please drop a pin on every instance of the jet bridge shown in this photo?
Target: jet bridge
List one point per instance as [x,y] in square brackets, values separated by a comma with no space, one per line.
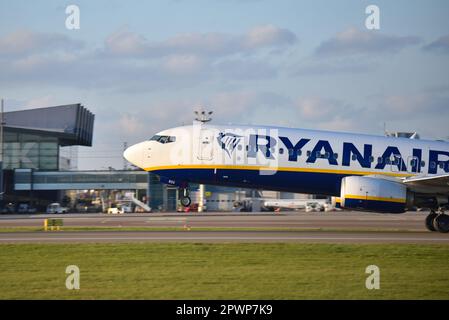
[28,179]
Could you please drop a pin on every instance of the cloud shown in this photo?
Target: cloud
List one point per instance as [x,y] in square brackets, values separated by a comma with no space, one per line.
[37,102]
[424,112]
[130,63]
[439,45]
[22,42]
[334,67]
[238,107]
[268,36]
[183,64]
[351,51]
[124,42]
[212,44]
[317,108]
[354,41]
[419,105]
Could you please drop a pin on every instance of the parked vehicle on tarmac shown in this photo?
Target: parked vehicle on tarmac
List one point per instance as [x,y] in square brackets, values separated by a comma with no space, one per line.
[56,208]
[314,207]
[116,209]
[25,208]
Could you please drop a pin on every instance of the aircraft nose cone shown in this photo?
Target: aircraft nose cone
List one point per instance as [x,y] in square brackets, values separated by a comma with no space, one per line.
[134,155]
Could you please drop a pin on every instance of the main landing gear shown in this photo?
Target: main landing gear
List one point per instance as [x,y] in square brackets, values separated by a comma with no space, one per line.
[438,221]
[184,197]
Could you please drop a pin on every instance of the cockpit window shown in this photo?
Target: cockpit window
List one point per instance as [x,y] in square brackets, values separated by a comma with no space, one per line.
[163,139]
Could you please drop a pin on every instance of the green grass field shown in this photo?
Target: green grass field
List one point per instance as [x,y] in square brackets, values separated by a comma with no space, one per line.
[223,271]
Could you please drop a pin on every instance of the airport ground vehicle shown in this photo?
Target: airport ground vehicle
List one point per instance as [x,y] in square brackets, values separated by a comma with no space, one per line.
[119,208]
[314,207]
[56,208]
[115,210]
[296,204]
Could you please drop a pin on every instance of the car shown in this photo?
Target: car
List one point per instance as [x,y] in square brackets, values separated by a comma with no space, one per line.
[25,208]
[8,208]
[56,208]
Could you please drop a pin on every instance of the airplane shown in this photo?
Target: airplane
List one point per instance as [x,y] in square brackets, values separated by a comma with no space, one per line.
[366,172]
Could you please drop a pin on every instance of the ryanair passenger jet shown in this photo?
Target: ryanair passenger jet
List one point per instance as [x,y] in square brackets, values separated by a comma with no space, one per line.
[370,173]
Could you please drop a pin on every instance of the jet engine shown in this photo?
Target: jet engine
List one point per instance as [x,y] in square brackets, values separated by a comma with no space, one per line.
[369,193]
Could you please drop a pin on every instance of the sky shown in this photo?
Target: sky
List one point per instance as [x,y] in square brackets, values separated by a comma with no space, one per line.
[144,66]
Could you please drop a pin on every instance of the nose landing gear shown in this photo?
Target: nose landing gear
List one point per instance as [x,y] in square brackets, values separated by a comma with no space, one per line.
[438,221]
[184,197]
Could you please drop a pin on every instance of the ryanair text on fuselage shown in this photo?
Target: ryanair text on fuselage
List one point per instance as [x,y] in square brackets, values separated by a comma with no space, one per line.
[365,157]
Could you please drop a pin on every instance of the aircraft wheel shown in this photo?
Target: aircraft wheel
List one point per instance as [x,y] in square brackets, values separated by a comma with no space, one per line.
[186,201]
[441,223]
[429,221]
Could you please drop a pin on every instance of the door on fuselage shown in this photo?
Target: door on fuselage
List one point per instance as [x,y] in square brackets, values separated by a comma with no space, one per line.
[206,147]
[396,163]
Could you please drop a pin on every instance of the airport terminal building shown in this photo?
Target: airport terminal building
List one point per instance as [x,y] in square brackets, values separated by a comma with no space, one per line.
[41,140]
[40,160]
[34,139]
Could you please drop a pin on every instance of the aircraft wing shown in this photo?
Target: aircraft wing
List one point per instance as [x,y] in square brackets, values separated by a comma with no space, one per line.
[439,182]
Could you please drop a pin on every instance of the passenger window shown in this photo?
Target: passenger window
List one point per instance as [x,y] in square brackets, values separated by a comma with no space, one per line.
[433,165]
[281,150]
[335,156]
[423,163]
[380,160]
[354,157]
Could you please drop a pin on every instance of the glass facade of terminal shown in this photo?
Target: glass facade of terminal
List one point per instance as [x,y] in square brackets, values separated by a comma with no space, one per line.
[156,195]
[30,151]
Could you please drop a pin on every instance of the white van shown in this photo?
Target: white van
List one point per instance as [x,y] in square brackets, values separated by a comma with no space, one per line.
[56,208]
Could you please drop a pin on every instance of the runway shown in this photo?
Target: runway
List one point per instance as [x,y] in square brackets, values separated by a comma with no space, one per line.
[329,220]
[332,227]
[223,236]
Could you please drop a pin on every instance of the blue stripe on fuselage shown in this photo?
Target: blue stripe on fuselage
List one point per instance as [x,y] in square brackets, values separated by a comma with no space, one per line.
[291,181]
